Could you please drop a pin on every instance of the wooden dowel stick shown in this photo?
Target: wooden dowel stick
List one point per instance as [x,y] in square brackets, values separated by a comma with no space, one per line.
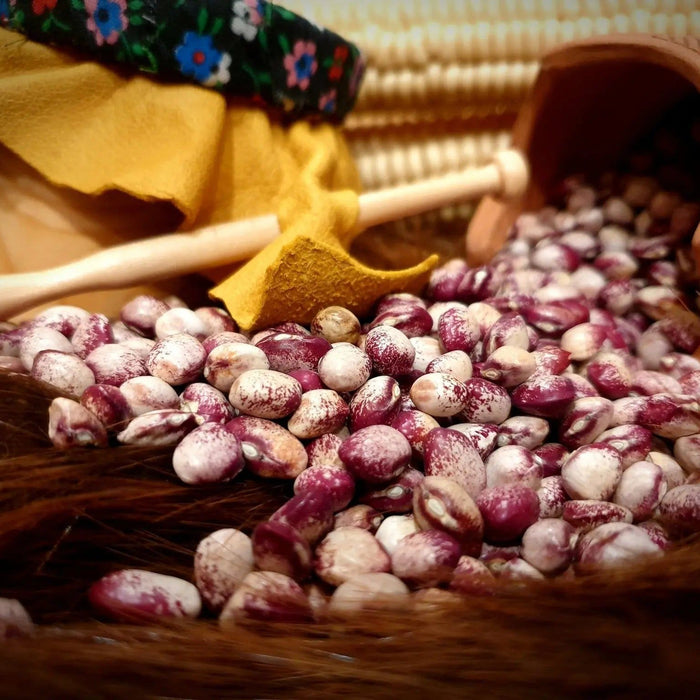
[171,255]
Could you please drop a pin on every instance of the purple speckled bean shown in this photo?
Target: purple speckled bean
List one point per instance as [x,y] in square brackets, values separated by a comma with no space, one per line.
[333,480]
[613,545]
[545,396]
[310,514]
[308,379]
[367,592]
[415,426]
[411,319]
[38,338]
[207,402]
[442,504]
[216,320]
[551,455]
[483,437]
[320,411]
[375,402]
[177,359]
[63,318]
[641,489]
[159,428]
[222,560]
[390,350]
[548,545]
[450,454]
[592,472]
[269,450]
[64,371]
[278,547]
[324,450]
[265,393]
[458,329]
[266,596]
[114,364]
[426,558]
[438,394]
[527,431]
[180,321]
[395,496]
[141,313]
[134,595]
[679,510]
[633,442]
[375,454]
[585,419]
[215,339]
[472,577]
[586,514]
[209,454]
[552,496]
[361,515]
[507,511]
[286,352]
[72,425]
[91,332]
[344,367]
[513,464]
[226,362]
[427,350]
[486,402]
[347,552]
[108,404]
[145,394]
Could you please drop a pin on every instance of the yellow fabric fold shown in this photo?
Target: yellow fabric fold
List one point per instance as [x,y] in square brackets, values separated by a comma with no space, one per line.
[86,128]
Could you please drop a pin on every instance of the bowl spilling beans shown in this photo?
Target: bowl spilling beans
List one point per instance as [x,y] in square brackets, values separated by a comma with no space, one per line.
[533,418]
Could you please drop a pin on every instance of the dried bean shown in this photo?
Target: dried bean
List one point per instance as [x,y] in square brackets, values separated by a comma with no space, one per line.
[426,558]
[286,352]
[552,496]
[592,472]
[393,529]
[586,514]
[207,402]
[177,359]
[450,454]
[372,591]
[513,464]
[179,321]
[526,431]
[641,489]
[145,394]
[390,350]
[225,363]
[91,332]
[209,454]
[158,428]
[613,545]
[320,411]
[216,320]
[336,324]
[486,402]
[361,515]
[141,313]
[66,372]
[336,481]
[115,364]
[344,367]
[72,425]
[265,393]
[375,454]
[375,402]
[39,338]
[507,511]
[310,514]
[278,547]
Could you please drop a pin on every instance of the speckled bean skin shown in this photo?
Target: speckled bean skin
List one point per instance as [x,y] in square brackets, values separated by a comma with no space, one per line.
[72,425]
[612,545]
[449,453]
[148,393]
[507,511]
[344,367]
[425,558]
[215,339]
[222,560]
[108,404]
[334,480]
[286,352]
[395,496]
[269,450]
[336,324]
[323,450]
[361,515]
[375,402]
[592,472]
[390,350]
[216,320]
[210,454]
[180,321]
[348,552]
[310,514]
[38,338]
[177,359]
[585,514]
[114,364]
[266,596]
[375,454]
[134,595]
[679,510]
[373,591]
[277,546]
[226,362]
[158,428]
[66,372]
[264,393]
[486,402]
[141,313]
[320,411]
[439,394]
[415,426]
[93,331]
[206,401]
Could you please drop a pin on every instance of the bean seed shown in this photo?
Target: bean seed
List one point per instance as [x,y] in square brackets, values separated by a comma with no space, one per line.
[225,363]
[513,464]
[442,504]
[414,426]
[517,569]
[222,560]
[286,352]
[459,329]
[336,481]
[215,339]
[134,595]
[145,394]
[610,375]
[586,514]
[216,320]
[207,402]
[507,511]
[424,559]
[310,514]
[15,620]
[375,454]
[264,393]
[91,332]
[372,591]
[266,596]
[209,454]
[449,453]
[641,489]
[409,318]
[584,421]
[269,450]
[551,455]
[375,402]
[393,529]
[672,471]
[141,313]
[320,411]
[592,472]
[427,350]
[472,577]
[632,442]
[141,346]
[108,404]
[336,324]
[686,450]
[180,321]
[159,428]
[72,425]
[483,437]
[552,496]
[115,364]
[323,450]
[525,431]
[613,545]
[679,510]
[348,552]
[361,515]
[39,338]
[438,394]
[66,372]
[278,547]
[344,367]
[390,350]
[177,358]
[545,396]
[63,318]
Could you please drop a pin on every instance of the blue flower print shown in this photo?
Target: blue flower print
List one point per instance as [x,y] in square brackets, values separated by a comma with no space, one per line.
[4,10]
[198,57]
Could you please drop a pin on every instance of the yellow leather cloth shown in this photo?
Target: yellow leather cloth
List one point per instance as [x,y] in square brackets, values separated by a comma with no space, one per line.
[196,159]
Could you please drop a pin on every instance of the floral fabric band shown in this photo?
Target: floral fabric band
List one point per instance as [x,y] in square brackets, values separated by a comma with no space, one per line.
[247,48]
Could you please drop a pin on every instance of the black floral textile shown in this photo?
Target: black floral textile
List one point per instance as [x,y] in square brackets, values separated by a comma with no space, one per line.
[248,48]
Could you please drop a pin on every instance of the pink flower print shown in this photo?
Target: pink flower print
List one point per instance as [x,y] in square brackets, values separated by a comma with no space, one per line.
[327,102]
[106,19]
[301,64]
